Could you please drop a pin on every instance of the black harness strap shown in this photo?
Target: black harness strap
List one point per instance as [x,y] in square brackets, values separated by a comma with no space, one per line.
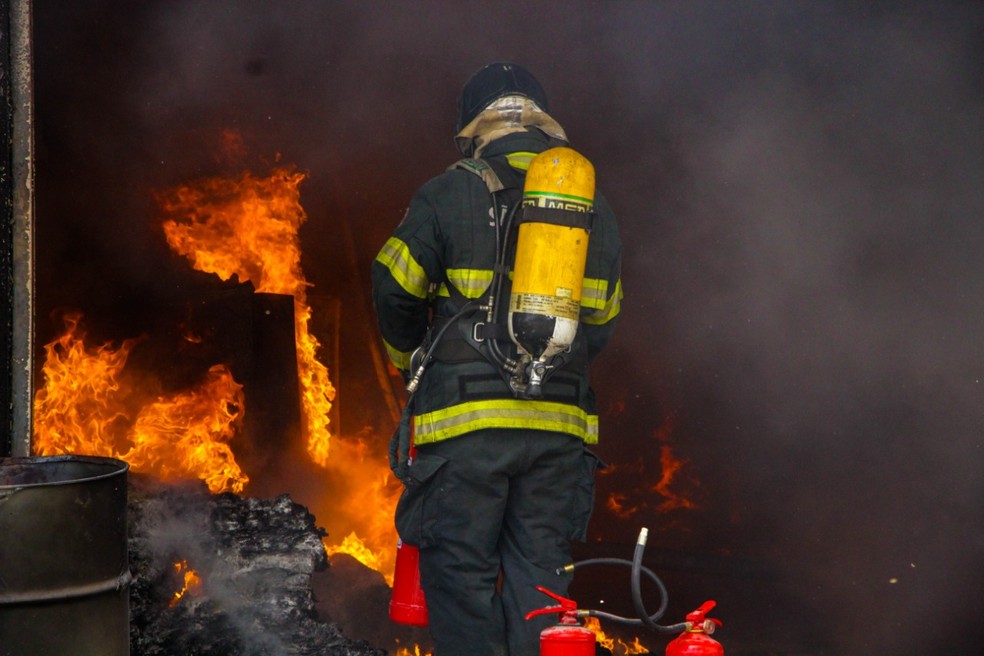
[471,341]
[558,216]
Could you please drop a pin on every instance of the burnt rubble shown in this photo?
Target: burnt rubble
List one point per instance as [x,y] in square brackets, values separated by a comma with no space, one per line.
[255,558]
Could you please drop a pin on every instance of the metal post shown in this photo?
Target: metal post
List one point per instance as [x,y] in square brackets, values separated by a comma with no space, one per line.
[22,170]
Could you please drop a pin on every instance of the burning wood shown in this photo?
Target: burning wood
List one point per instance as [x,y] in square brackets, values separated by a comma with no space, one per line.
[248,227]
[243,229]
[253,558]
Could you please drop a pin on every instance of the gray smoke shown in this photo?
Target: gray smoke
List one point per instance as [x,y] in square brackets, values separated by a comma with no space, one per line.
[799,189]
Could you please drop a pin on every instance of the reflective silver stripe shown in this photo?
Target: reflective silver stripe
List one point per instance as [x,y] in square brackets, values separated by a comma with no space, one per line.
[472,283]
[607,311]
[594,292]
[395,256]
[505,413]
[400,359]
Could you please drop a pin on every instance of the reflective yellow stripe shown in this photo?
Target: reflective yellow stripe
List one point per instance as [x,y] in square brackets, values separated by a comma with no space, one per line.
[472,283]
[395,256]
[607,311]
[594,292]
[399,358]
[520,160]
[505,413]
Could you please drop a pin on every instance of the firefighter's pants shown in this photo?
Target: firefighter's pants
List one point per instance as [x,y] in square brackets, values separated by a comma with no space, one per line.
[495,501]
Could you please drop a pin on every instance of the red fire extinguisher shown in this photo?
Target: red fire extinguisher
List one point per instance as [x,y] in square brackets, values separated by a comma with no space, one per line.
[696,639]
[407,603]
[568,638]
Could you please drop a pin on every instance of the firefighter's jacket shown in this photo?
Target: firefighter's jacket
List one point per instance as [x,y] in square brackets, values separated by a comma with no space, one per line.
[448,238]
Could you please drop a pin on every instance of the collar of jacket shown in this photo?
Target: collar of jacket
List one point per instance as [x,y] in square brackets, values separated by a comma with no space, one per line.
[530,140]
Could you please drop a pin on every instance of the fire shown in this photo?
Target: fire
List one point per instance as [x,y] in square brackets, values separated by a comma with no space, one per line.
[192,582]
[355,547]
[674,489]
[369,507]
[616,645]
[617,505]
[81,405]
[83,408]
[195,426]
[403,651]
[248,227]
[670,467]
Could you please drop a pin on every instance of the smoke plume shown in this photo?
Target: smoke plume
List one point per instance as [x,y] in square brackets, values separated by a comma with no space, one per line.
[799,192]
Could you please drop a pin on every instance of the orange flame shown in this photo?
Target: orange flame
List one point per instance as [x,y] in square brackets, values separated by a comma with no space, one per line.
[82,409]
[403,651]
[248,227]
[81,404]
[617,505]
[195,426]
[355,547]
[369,507]
[616,645]
[670,467]
[675,489]
[192,582]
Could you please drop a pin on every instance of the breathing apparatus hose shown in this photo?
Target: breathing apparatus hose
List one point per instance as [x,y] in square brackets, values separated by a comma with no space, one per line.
[425,359]
[498,275]
[399,446]
[645,618]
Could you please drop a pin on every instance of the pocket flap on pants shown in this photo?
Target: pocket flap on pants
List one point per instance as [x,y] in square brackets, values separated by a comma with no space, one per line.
[424,467]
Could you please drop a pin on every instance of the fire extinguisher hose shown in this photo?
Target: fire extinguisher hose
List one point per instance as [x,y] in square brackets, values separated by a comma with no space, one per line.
[645,618]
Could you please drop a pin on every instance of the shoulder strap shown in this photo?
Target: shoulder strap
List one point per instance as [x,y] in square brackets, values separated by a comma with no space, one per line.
[496,174]
[482,169]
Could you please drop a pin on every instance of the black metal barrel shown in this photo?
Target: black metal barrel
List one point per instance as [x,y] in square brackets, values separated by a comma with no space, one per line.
[64,576]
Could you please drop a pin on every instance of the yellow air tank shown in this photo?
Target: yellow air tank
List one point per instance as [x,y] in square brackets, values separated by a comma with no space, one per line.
[552,246]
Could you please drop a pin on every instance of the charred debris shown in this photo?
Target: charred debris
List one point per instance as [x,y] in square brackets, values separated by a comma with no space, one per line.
[225,575]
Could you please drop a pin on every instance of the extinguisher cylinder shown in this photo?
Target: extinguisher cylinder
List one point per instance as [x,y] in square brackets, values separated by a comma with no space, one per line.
[567,640]
[407,603]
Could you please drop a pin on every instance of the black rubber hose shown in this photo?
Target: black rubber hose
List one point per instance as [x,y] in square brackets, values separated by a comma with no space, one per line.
[424,361]
[501,246]
[650,620]
[501,253]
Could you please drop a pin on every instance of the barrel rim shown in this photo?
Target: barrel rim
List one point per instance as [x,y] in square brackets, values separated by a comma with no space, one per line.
[119,467]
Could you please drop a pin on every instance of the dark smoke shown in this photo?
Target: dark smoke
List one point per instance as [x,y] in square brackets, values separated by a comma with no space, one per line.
[799,188]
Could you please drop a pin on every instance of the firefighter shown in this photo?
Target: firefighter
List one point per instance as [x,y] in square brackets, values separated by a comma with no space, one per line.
[500,483]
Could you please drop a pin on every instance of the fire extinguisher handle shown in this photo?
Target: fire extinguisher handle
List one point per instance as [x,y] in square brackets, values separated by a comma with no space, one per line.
[565,605]
[699,619]
[546,610]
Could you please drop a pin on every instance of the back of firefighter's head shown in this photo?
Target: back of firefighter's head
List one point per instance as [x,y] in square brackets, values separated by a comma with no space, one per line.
[496,81]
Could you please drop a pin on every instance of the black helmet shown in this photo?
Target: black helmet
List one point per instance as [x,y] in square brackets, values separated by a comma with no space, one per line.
[493,82]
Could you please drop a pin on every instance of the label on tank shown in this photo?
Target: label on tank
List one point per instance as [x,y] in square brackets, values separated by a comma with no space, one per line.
[567,308]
